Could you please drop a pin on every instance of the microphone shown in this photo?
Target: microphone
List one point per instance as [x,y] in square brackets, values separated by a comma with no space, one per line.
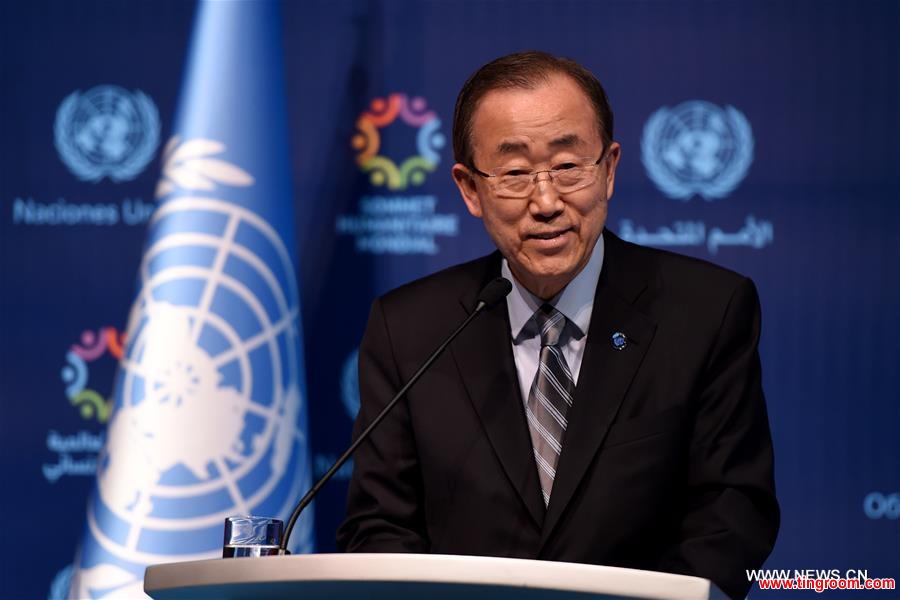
[490,295]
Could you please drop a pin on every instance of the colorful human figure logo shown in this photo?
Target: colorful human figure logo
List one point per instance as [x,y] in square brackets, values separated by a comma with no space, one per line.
[75,374]
[384,171]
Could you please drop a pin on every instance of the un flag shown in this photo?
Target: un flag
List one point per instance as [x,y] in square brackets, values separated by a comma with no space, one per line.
[210,415]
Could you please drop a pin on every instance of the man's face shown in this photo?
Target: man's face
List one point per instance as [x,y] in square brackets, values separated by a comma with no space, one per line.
[547,237]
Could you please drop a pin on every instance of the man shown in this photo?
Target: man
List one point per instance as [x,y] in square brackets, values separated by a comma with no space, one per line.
[609,412]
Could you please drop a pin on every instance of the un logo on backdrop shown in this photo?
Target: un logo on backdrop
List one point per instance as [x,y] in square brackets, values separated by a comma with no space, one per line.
[350,384]
[697,148]
[106,132]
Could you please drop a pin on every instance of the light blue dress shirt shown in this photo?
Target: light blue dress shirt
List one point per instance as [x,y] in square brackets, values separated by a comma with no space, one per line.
[575,301]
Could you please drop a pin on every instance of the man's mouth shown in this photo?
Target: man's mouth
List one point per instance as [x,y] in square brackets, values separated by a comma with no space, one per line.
[549,235]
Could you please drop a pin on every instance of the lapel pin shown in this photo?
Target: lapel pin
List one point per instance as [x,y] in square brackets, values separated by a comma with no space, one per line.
[619,341]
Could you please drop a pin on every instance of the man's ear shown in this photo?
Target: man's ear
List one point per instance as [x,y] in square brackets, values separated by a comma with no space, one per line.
[465,181]
[612,161]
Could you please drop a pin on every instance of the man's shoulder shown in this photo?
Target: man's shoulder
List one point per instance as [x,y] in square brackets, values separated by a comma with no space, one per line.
[666,280]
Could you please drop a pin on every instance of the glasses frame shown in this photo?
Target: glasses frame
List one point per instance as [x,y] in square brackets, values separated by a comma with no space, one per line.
[551,175]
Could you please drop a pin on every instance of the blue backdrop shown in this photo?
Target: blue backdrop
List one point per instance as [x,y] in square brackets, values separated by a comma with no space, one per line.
[764,136]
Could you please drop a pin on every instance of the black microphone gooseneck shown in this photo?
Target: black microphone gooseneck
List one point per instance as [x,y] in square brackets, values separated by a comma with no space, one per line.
[492,293]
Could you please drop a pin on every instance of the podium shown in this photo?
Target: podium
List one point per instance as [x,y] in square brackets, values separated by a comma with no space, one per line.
[414,576]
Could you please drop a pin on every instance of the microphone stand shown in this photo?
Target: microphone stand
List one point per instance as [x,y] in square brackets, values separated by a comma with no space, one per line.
[493,292]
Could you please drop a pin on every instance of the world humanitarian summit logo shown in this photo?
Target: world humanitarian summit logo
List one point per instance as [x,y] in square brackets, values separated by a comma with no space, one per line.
[95,345]
[412,170]
[106,132]
[206,422]
[88,362]
[697,148]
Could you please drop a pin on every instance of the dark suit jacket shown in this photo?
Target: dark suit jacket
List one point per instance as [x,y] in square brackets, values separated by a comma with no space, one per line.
[667,460]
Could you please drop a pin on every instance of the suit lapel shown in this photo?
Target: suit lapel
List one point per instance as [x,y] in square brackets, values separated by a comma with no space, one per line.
[606,373]
[483,355]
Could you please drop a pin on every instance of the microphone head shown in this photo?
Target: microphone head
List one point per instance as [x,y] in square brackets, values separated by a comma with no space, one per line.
[493,293]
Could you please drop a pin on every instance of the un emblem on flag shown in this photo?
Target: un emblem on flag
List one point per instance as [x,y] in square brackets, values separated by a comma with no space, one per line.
[697,148]
[206,422]
[106,132]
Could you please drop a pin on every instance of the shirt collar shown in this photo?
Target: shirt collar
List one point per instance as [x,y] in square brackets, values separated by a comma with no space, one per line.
[575,301]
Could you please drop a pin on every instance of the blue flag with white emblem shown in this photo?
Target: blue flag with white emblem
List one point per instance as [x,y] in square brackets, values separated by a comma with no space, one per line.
[209,418]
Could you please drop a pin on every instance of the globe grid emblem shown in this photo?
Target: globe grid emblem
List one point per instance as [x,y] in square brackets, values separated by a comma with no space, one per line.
[208,394]
[697,148]
[350,384]
[106,132]
[412,170]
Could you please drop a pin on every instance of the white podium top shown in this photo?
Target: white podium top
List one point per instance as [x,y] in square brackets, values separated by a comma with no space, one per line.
[399,576]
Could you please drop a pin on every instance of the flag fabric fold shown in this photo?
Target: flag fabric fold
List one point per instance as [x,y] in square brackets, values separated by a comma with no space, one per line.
[209,416]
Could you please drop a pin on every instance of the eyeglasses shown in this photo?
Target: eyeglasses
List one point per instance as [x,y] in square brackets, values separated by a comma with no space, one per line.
[519,183]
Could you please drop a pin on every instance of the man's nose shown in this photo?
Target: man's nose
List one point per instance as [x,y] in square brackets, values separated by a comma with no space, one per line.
[545,200]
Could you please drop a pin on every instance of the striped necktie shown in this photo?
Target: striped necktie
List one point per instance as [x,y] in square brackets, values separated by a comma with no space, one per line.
[550,398]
